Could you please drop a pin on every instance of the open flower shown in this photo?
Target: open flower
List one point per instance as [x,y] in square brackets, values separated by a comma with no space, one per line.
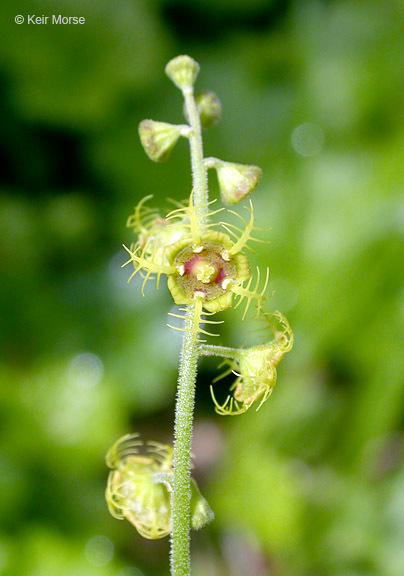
[255,368]
[139,487]
[200,263]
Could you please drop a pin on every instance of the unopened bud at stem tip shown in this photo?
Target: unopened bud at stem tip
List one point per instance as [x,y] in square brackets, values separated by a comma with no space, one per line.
[183,71]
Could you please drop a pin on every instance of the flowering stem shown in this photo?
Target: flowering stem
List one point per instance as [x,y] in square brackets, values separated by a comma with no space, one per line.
[199,182]
[184,413]
[205,269]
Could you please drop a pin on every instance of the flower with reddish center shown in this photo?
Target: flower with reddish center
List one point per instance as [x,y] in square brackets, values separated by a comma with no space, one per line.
[207,271]
[201,265]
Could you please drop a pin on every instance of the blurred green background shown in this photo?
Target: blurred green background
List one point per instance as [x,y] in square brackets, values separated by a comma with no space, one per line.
[313,92]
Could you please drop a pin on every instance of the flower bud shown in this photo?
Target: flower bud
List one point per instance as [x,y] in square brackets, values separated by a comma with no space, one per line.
[209,108]
[236,181]
[158,138]
[183,71]
[201,512]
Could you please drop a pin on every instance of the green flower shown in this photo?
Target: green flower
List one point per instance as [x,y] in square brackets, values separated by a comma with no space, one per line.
[255,368]
[139,487]
[200,264]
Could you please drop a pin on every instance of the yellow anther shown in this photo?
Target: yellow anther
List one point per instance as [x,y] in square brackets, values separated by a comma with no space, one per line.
[200,295]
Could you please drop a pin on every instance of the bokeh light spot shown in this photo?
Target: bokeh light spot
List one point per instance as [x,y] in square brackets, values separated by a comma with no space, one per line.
[308,139]
[99,550]
[86,370]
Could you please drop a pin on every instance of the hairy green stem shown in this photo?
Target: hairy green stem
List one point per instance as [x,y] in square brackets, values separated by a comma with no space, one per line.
[223,351]
[180,499]
[199,182]
[184,413]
